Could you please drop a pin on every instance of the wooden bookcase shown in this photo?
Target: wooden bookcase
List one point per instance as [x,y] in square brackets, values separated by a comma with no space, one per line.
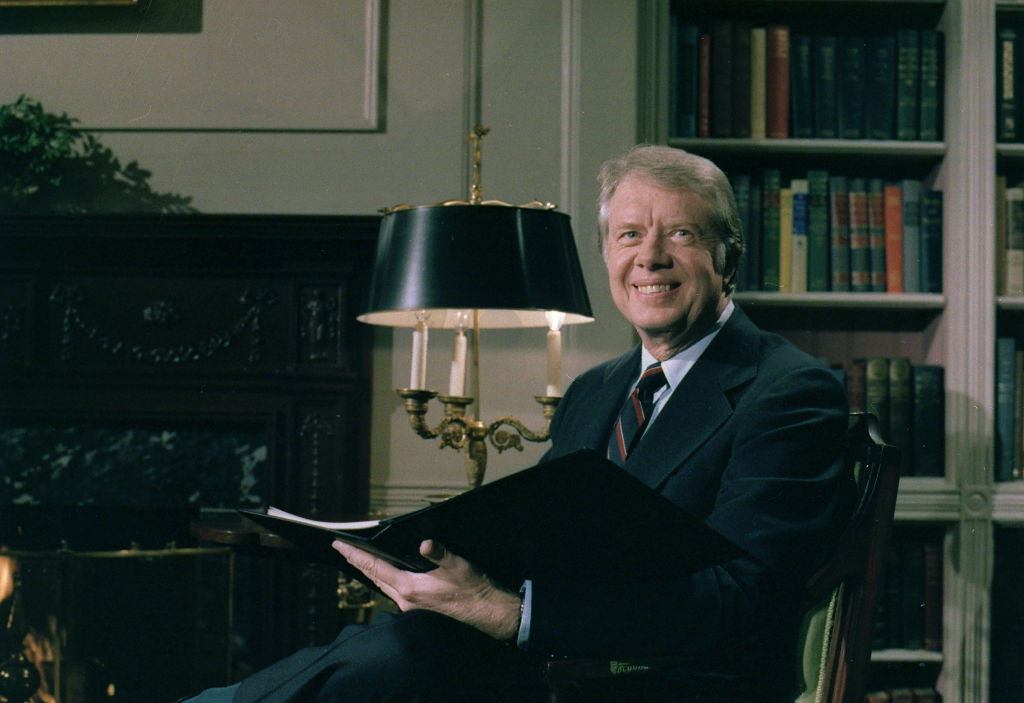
[956,329]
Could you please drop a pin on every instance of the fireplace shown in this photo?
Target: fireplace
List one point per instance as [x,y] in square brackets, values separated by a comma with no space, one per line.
[158,368]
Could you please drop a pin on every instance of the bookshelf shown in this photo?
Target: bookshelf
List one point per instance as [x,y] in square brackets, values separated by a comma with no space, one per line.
[957,328]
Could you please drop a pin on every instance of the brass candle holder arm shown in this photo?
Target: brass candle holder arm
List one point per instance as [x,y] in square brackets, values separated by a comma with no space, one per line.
[459,431]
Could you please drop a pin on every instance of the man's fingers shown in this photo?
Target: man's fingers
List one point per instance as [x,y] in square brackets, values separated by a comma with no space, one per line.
[375,569]
[433,550]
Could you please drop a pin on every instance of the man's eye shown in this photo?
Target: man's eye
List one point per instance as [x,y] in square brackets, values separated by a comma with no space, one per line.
[682,233]
[632,234]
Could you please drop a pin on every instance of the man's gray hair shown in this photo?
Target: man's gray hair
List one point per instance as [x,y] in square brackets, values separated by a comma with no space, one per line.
[675,169]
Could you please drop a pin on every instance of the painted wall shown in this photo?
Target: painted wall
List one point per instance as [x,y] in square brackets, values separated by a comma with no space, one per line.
[347,106]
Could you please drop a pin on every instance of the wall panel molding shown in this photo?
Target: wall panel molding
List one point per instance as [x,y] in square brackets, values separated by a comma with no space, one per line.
[260,65]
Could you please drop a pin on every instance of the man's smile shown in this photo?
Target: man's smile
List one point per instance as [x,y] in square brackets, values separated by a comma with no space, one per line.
[651,288]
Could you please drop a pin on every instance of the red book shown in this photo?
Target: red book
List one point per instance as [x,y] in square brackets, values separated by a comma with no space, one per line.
[876,233]
[860,237]
[893,238]
[777,82]
[704,86]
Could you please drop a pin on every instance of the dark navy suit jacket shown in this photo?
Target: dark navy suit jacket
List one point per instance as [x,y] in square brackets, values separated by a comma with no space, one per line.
[750,442]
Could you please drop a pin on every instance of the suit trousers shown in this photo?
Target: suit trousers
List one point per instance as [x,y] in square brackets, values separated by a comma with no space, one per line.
[422,657]
[414,657]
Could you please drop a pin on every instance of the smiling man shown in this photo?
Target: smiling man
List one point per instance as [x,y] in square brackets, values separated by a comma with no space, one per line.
[733,424]
[669,271]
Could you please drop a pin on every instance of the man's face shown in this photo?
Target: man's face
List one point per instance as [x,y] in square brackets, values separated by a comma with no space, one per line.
[659,251]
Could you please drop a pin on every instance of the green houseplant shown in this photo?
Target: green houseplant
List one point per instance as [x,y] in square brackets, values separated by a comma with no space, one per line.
[48,166]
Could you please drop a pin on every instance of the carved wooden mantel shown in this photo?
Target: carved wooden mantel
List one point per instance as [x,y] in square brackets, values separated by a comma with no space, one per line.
[209,321]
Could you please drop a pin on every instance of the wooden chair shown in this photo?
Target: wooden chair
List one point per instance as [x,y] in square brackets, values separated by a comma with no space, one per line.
[841,597]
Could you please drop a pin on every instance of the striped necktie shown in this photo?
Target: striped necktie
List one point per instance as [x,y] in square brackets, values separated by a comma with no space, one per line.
[634,414]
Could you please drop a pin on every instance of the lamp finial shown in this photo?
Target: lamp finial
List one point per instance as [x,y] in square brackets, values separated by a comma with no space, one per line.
[476,137]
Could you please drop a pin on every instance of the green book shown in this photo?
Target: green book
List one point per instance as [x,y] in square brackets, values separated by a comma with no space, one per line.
[771,184]
[930,109]
[876,391]
[908,79]
[1006,89]
[880,111]
[901,409]
[852,78]
[817,231]
[929,451]
[826,105]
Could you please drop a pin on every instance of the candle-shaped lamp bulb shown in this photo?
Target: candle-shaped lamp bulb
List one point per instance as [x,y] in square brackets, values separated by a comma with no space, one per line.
[457,380]
[554,346]
[418,373]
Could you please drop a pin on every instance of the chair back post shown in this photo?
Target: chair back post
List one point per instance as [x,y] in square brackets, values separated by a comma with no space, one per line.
[855,570]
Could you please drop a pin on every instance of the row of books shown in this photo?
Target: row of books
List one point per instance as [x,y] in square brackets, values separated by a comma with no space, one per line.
[909,401]
[909,612]
[1009,427]
[1009,238]
[734,79]
[829,232]
[1009,67]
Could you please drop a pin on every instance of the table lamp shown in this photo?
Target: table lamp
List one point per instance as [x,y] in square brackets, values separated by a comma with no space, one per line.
[467,266]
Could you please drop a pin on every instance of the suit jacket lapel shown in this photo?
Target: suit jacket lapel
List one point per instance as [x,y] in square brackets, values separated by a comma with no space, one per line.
[592,422]
[700,405]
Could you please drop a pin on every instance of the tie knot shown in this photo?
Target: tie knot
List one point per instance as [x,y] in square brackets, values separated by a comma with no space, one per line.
[651,380]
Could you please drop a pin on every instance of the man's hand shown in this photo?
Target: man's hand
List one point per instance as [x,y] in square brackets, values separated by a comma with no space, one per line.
[454,589]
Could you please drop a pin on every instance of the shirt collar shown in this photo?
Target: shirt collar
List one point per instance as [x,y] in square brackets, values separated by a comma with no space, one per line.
[676,367]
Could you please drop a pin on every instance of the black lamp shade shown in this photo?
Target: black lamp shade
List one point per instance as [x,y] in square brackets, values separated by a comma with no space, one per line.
[511,264]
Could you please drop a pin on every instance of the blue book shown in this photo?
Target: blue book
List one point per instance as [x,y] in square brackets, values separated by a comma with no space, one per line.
[911,235]
[908,80]
[931,241]
[798,279]
[801,87]
[1006,396]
